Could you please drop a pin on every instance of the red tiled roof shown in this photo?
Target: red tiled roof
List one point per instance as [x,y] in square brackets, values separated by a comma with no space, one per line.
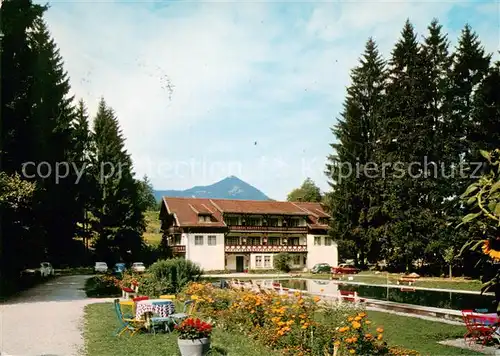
[186,210]
[316,211]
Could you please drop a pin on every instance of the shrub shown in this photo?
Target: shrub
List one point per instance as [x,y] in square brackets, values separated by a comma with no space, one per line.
[102,286]
[167,276]
[282,262]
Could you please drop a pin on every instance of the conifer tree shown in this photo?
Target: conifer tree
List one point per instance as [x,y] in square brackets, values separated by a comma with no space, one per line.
[51,117]
[404,143]
[118,208]
[357,133]
[18,240]
[82,158]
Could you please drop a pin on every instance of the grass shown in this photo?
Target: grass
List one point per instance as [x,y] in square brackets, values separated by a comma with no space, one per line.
[101,323]
[411,333]
[418,334]
[152,235]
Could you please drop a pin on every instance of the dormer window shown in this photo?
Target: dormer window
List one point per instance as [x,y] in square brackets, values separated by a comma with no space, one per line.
[204,218]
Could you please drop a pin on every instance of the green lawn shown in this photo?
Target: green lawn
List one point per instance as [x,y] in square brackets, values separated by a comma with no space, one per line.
[407,332]
[418,334]
[101,323]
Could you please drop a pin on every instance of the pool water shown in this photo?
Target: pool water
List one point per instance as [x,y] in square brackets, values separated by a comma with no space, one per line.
[437,299]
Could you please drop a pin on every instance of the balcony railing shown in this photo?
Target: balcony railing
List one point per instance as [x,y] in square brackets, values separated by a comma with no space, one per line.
[174,230]
[178,248]
[300,229]
[265,248]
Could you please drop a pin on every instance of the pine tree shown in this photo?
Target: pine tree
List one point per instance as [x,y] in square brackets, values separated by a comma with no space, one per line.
[404,143]
[18,239]
[357,133]
[118,208]
[51,117]
[82,159]
[435,187]
[146,194]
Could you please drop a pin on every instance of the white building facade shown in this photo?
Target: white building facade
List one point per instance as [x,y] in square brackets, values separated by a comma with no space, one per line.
[242,235]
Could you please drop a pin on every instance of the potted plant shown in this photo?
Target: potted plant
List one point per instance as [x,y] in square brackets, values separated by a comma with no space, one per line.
[194,337]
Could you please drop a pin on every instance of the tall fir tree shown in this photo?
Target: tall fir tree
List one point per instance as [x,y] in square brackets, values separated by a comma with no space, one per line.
[352,203]
[118,209]
[51,117]
[404,144]
[18,240]
[82,159]
[435,187]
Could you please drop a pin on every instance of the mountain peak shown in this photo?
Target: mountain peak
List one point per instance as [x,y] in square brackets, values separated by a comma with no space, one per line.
[230,187]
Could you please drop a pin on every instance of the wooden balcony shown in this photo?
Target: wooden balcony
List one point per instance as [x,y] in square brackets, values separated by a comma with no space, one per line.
[265,248]
[174,230]
[178,248]
[289,229]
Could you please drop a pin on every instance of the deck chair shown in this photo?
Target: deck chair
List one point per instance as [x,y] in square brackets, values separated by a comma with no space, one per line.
[130,325]
[479,328]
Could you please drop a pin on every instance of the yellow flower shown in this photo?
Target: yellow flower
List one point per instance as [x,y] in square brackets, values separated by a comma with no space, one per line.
[352,351]
[380,330]
[362,314]
[337,343]
[349,319]
[356,325]
[343,329]
[358,318]
[368,322]
[488,250]
[316,299]
[380,337]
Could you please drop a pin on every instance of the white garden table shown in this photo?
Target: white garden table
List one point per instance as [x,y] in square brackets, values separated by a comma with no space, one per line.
[162,307]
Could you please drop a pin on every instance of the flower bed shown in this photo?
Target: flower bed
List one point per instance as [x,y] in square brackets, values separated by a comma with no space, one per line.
[296,325]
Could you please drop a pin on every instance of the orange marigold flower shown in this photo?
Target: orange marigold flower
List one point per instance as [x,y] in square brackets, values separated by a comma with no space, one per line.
[316,299]
[380,330]
[362,314]
[358,318]
[349,319]
[368,322]
[356,325]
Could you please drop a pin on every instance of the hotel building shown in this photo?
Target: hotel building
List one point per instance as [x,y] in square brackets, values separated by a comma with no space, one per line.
[239,235]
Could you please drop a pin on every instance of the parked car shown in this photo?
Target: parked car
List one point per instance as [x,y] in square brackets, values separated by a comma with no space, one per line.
[44,270]
[345,268]
[119,268]
[101,267]
[138,267]
[321,268]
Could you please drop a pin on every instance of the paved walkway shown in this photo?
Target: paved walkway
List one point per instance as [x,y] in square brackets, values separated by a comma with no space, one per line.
[45,320]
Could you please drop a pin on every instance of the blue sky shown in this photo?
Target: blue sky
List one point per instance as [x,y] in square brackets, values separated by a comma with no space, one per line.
[257,85]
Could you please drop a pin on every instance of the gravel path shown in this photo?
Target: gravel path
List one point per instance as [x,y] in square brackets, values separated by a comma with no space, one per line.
[46,320]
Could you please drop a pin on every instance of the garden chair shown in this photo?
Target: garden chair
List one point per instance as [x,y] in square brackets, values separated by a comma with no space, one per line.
[168,296]
[479,327]
[188,309]
[130,325]
[156,321]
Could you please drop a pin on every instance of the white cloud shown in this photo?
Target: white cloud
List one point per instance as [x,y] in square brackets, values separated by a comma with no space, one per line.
[242,72]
